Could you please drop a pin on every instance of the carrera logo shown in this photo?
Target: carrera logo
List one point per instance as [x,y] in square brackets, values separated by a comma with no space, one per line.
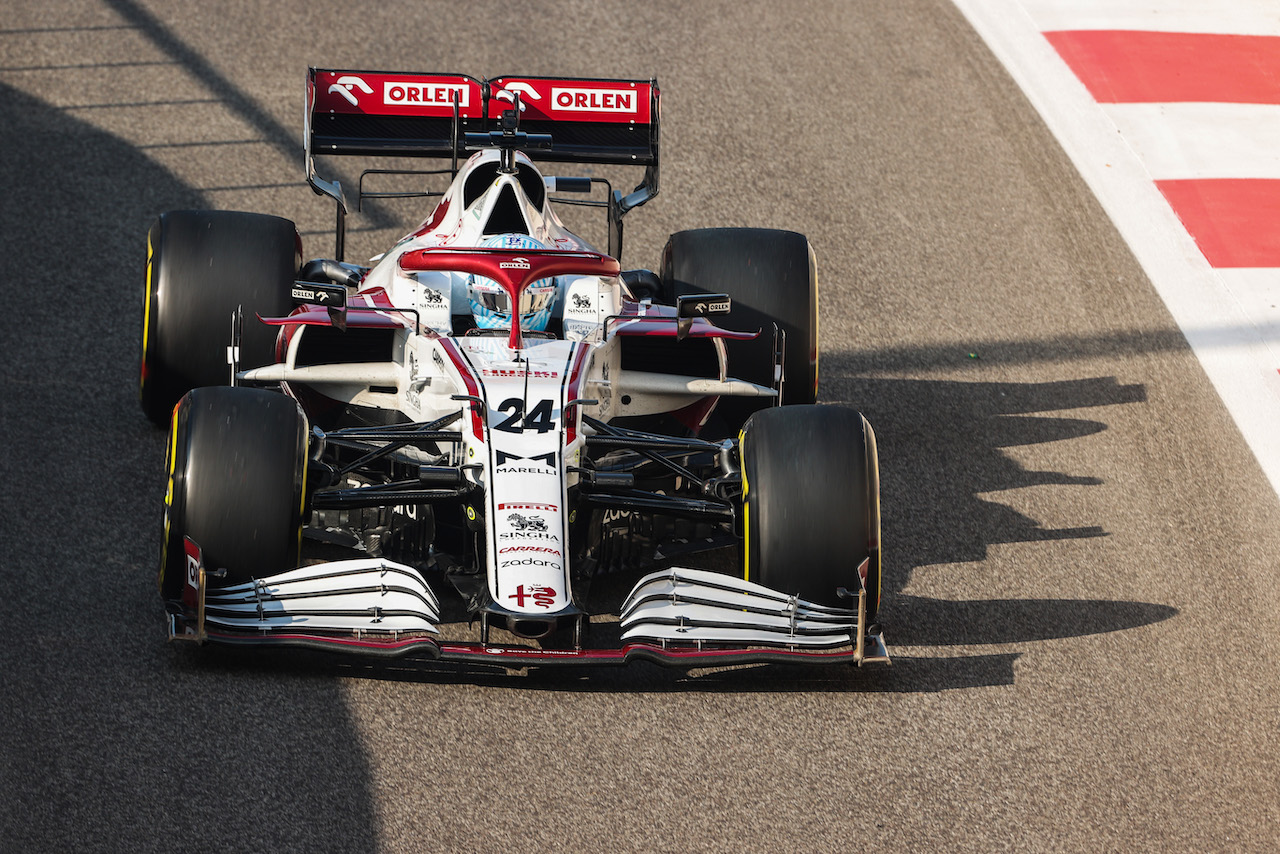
[594,100]
[515,264]
[527,505]
[402,93]
[544,549]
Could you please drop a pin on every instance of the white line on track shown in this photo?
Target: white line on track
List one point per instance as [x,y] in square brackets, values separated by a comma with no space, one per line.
[1174,16]
[1196,140]
[1231,343]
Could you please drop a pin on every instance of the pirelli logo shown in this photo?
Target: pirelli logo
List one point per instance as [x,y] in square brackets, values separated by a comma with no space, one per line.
[594,100]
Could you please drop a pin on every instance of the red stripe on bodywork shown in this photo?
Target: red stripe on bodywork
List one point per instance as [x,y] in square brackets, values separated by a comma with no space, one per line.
[573,391]
[1129,66]
[436,218]
[473,386]
[1234,221]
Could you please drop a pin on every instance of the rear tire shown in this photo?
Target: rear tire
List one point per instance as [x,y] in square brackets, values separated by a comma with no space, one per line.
[237,477]
[812,503]
[771,276]
[200,266]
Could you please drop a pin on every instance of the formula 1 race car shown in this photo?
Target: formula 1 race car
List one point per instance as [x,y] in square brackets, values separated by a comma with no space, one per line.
[493,423]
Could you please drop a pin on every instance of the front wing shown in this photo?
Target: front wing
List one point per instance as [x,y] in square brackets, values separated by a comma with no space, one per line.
[378,608]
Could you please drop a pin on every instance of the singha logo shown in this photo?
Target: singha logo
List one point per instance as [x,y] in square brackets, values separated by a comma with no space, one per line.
[430,297]
[527,523]
[579,301]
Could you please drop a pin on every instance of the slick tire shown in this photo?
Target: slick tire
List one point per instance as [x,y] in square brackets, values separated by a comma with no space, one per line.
[770,276]
[200,266]
[811,497]
[237,465]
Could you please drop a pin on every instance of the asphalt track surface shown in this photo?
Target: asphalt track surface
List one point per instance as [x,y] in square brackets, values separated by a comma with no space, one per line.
[1081,552]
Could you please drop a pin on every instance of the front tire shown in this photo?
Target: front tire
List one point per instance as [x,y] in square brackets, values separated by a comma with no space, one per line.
[237,479]
[200,266]
[811,503]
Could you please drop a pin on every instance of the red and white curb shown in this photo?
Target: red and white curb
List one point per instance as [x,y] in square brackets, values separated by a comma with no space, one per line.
[1170,110]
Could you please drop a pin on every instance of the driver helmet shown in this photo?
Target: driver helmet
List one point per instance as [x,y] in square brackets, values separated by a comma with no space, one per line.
[491,304]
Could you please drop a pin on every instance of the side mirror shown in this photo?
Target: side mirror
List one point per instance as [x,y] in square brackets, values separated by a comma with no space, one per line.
[332,297]
[566,184]
[698,305]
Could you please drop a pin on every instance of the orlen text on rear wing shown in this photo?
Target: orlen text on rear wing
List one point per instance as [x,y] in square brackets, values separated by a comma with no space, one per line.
[375,113]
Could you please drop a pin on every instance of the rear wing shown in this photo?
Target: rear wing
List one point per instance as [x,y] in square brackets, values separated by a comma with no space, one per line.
[377,113]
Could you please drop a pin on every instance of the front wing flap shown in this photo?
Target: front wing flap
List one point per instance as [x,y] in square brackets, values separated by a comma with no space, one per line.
[359,597]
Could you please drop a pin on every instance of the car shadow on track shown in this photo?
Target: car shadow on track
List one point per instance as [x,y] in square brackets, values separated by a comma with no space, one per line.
[108,743]
[941,448]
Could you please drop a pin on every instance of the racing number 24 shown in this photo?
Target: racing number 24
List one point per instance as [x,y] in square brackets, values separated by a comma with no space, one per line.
[538,418]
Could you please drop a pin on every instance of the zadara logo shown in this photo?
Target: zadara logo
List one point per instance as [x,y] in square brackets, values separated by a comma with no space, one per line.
[516,263]
[543,597]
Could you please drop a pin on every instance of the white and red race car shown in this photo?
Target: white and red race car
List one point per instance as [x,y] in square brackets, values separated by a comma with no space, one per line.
[493,416]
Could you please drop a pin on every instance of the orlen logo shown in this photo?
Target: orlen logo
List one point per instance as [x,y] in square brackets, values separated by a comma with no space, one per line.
[401,93]
[515,264]
[594,100]
[345,86]
[514,88]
